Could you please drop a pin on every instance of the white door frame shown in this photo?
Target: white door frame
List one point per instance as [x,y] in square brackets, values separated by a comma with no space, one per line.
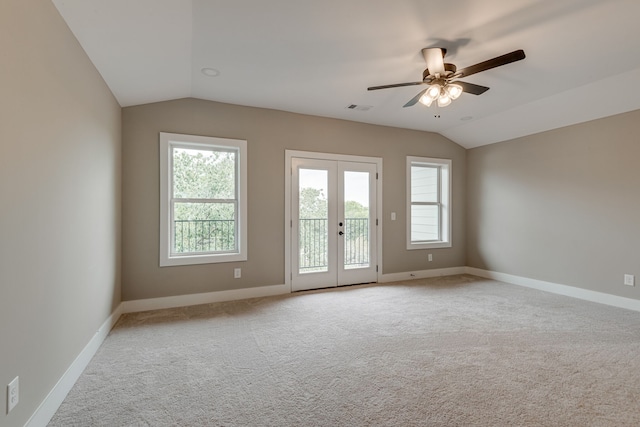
[289,155]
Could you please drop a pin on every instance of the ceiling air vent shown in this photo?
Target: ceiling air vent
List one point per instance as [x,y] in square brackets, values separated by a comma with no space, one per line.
[359,107]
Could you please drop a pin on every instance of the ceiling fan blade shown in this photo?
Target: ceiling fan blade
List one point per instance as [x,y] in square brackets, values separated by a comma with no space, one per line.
[415,99]
[498,61]
[434,57]
[394,85]
[471,88]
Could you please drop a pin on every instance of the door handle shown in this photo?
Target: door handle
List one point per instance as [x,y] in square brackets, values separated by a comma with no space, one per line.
[340,233]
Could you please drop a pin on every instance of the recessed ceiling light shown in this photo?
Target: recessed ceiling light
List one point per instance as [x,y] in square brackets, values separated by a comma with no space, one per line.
[210,72]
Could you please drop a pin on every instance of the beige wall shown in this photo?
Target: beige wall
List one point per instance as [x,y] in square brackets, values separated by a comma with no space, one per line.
[268,133]
[60,208]
[561,206]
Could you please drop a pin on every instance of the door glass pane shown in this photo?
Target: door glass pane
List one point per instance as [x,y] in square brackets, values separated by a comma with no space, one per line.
[425,223]
[356,216]
[424,184]
[313,219]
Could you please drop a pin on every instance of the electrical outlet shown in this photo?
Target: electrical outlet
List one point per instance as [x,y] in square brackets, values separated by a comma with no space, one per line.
[237,273]
[13,394]
[430,257]
[629,280]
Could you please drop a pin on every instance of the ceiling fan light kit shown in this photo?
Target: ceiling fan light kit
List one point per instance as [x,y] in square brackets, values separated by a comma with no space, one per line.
[442,94]
[453,90]
[442,78]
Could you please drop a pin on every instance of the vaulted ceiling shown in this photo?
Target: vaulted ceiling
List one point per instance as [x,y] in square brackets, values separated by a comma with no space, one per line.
[319,56]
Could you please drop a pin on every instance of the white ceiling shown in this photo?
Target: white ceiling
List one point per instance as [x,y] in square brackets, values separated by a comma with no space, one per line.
[319,56]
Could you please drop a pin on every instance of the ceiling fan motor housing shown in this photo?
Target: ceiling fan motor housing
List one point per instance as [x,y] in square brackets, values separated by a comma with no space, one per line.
[449,70]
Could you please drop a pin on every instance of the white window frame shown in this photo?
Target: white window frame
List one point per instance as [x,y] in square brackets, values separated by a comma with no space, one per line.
[444,202]
[167,142]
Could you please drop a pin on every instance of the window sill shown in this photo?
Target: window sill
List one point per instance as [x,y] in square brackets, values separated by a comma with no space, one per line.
[430,245]
[200,259]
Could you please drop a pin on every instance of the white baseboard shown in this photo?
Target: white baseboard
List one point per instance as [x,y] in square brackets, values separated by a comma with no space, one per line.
[570,291]
[422,274]
[135,306]
[54,399]
[56,396]
[203,298]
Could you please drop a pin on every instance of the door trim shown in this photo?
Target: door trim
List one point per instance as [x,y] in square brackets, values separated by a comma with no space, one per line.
[289,155]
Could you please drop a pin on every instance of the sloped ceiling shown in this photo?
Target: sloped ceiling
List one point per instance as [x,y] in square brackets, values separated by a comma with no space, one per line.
[319,56]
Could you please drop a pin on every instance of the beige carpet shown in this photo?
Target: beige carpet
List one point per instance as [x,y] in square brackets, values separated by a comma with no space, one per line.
[456,351]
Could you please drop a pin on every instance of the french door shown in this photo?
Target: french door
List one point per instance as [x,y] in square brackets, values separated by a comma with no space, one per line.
[333,221]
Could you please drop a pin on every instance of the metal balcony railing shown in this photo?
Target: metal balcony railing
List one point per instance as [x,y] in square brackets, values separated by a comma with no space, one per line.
[193,236]
[313,240]
[202,235]
[356,242]
[313,244]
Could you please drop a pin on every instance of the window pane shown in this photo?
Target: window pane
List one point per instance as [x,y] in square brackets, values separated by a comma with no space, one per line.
[424,184]
[204,174]
[204,227]
[313,211]
[425,223]
[356,215]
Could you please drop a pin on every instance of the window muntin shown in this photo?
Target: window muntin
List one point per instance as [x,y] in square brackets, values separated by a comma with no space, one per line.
[428,200]
[203,200]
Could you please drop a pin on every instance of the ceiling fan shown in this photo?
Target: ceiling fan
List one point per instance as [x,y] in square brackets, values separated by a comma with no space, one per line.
[442,77]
